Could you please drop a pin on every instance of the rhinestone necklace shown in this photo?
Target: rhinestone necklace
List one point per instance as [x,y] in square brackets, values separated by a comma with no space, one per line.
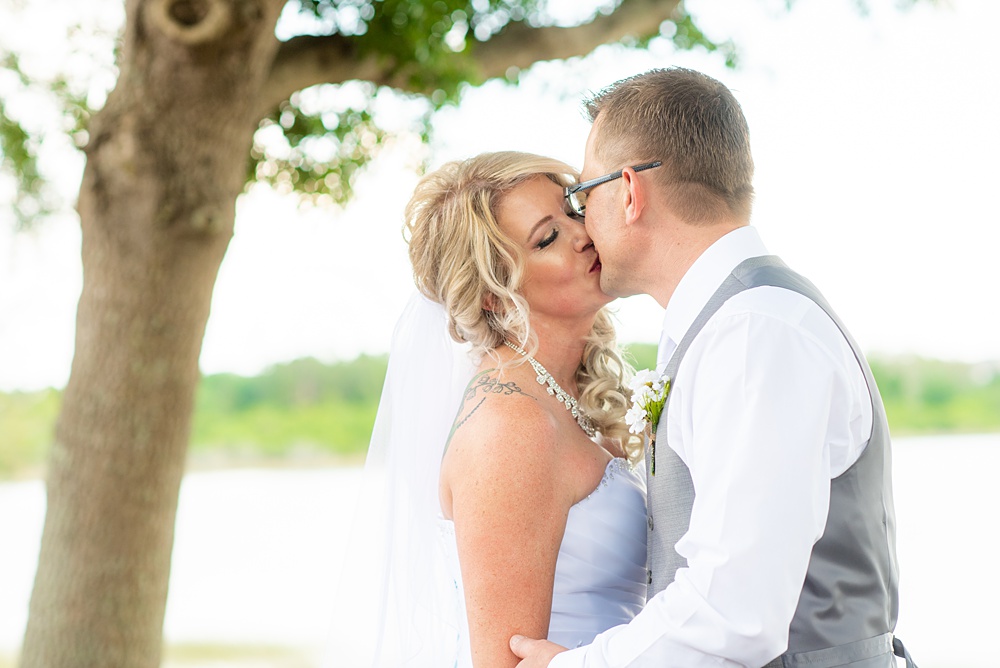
[565,398]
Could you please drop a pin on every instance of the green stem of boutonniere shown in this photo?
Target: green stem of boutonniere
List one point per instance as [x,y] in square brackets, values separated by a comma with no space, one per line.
[652,452]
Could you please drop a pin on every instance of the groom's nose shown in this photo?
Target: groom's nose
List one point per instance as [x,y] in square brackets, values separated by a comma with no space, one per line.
[581,240]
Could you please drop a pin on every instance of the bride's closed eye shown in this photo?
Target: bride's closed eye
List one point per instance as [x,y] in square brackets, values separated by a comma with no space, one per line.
[551,237]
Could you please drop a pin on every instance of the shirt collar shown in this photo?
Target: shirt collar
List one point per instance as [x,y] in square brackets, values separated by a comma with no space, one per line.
[705,276]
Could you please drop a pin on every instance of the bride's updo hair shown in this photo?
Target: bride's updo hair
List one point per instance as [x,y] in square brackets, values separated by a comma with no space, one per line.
[464,261]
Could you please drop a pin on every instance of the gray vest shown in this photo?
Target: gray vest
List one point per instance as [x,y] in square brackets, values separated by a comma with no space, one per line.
[848,605]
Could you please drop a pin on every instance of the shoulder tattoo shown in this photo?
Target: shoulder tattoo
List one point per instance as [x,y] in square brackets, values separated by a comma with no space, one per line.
[485,384]
[482,385]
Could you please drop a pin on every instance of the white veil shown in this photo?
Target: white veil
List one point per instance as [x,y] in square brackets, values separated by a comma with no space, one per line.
[398,604]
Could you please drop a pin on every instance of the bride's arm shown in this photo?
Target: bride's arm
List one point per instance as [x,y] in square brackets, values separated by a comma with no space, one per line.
[509,507]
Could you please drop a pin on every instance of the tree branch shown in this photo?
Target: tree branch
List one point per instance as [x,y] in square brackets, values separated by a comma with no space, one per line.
[520,45]
[306,61]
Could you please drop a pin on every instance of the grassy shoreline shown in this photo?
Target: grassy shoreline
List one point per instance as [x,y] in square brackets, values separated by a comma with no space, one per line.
[307,413]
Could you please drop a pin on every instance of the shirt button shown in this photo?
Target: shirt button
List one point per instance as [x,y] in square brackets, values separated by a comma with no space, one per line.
[649,522]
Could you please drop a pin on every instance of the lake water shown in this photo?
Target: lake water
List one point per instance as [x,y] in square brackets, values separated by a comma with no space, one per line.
[258,553]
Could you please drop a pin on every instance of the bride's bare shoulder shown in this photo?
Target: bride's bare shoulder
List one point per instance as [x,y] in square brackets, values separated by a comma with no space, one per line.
[495,398]
[499,407]
[504,438]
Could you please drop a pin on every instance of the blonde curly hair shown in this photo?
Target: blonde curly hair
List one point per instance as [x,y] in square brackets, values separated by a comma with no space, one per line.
[463,260]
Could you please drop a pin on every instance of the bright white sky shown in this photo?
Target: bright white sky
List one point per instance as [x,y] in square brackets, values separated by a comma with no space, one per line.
[875,139]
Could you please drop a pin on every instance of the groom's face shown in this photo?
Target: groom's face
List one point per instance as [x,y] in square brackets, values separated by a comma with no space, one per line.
[604,218]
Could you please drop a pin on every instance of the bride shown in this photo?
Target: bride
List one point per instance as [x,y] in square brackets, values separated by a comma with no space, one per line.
[510,492]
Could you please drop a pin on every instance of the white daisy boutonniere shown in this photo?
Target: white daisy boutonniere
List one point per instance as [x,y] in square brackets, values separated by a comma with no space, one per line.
[649,394]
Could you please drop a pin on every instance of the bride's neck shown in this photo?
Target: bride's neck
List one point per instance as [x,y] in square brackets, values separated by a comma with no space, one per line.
[560,351]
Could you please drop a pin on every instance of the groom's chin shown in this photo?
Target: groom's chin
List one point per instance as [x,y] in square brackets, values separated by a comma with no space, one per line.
[612,288]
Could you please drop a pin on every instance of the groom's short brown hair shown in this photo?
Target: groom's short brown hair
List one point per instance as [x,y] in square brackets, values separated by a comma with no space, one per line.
[693,124]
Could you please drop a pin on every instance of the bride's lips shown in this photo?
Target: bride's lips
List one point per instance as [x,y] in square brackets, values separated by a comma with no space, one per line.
[596,266]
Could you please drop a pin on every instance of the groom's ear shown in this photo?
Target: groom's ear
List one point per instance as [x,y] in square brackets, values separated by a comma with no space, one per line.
[633,196]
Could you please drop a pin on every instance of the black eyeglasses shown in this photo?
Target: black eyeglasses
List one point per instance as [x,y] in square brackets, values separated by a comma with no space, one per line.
[577,195]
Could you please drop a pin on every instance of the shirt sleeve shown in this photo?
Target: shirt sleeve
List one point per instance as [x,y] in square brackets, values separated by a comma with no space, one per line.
[750,416]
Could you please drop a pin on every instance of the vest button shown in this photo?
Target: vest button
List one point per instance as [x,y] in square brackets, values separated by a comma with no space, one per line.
[649,522]
[649,576]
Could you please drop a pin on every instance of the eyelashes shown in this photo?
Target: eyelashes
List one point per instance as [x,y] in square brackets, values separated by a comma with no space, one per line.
[547,241]
[554,233]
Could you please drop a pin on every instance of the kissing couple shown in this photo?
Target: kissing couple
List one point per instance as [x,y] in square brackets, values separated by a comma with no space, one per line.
[750,520]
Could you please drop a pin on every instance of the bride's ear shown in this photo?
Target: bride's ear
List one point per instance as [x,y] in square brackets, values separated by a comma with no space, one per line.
[490,302]
[633,196]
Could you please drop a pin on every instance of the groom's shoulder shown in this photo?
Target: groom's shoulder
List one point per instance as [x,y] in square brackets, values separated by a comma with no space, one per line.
[782,319]
[772,303]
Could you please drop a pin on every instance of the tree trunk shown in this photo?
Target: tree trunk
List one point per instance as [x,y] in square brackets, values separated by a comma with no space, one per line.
[166,161]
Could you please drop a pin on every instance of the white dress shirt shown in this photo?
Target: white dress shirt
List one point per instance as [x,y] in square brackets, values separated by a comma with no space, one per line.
[768,406]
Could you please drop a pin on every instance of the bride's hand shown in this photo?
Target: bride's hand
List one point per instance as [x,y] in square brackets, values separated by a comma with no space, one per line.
[534,653]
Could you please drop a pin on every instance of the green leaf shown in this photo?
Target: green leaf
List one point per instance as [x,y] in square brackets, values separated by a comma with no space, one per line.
[315,152]
[19,142]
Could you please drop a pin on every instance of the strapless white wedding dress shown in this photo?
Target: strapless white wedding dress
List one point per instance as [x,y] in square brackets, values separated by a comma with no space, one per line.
[600,578]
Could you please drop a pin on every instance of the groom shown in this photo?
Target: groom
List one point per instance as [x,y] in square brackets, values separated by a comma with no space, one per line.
[771,525]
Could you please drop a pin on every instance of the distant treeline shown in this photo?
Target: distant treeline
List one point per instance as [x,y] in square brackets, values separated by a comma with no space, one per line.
[308,408]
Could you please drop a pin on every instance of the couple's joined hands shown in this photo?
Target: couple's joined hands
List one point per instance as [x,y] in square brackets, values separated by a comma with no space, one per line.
[534,653]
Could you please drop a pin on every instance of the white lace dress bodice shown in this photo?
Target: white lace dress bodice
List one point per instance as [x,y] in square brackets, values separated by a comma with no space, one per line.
[600,578]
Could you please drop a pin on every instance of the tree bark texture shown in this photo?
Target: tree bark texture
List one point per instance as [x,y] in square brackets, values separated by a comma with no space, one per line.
[166,161]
